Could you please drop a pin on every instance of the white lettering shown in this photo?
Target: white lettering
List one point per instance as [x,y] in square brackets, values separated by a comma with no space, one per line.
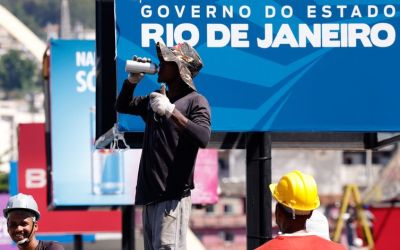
[311,11]
[145,11]
[155,32]
[270,11]
[227,11]
[244,11]
[285,36]
[239,35]
[86,80]
[188,28]
[287,11]
[326,11]
[163,11]
[341,10]
[151,31]
[356,12]
[179,12]
[80,78]
[195,11]
[35,178]
[308,35]
[359,32]
[85,58]
[372,11]
[329,35]
[211,9]
[389,11]
[390,35]
[223,33]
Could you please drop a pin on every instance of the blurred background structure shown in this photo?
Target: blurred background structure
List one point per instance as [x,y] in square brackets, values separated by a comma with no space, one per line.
[25,28]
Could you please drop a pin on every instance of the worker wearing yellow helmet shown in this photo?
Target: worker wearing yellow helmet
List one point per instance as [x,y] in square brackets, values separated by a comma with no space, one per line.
[297,196]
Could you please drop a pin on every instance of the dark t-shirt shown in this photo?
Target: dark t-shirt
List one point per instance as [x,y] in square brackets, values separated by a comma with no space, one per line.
[49,245]
[169,152]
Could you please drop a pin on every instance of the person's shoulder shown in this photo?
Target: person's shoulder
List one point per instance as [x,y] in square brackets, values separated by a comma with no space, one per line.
[338,246]
[195,94]
[331,245]
[198,98]
[275,243]
[52,245]
[300,242]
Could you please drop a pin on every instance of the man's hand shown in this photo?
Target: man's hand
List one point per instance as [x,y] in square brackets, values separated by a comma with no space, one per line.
[161,104]
[135,78]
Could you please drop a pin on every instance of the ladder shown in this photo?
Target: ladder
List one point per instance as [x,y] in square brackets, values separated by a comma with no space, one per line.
[352,189]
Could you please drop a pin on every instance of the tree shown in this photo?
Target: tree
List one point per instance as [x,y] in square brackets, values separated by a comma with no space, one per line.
[84,12]
[18,75]
[4,183]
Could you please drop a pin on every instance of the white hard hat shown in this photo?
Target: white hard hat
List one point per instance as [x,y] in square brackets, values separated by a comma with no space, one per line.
[22,202]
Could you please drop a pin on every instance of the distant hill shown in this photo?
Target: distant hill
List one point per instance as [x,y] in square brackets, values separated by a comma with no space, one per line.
[36,14]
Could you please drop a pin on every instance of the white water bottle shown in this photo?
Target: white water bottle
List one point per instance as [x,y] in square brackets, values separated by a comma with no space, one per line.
[141,67]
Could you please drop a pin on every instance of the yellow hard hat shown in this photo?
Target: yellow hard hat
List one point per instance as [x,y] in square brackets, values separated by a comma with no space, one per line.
[297,191]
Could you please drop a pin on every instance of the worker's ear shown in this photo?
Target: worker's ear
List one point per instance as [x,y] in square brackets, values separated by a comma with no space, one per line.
[309,216]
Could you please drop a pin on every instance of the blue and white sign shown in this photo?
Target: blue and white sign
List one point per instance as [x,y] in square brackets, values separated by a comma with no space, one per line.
[322,65]
[81,175]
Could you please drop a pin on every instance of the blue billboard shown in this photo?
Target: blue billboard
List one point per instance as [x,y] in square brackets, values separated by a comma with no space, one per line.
[284,66]
[81,174]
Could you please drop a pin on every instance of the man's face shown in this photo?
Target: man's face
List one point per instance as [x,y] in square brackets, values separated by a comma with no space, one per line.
[167,72]
[20,224]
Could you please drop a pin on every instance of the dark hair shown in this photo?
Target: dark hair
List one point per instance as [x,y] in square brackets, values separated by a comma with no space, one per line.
[24,211]
[289,214]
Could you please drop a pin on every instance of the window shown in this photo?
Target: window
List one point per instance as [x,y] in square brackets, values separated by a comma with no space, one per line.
[223,165]
[354,158]
[223,168]
[381,157]
[210,209]
[227,236]
[228,209]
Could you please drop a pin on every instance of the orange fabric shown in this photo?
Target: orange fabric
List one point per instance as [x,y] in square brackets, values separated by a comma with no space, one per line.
[309,242]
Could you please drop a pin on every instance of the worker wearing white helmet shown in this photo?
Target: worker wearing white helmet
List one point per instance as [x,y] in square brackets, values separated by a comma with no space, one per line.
[22,214]
[297,196]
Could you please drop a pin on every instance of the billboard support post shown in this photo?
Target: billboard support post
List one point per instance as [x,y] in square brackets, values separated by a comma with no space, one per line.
[258,196]
[128,227]
[105,66]
[78,242]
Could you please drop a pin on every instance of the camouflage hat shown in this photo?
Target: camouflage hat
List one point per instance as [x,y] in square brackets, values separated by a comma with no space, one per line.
[185,56]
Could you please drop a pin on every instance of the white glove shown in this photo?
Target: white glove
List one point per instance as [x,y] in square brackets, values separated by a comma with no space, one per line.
[135,78]
[161,104]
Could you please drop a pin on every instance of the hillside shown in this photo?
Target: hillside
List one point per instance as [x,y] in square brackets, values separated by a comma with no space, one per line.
[36,14]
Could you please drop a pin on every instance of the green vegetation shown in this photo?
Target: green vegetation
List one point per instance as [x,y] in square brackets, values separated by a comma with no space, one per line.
[18,75]
[3,183]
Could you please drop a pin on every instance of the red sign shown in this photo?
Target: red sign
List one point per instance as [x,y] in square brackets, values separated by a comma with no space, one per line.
[32,179]
[386,227]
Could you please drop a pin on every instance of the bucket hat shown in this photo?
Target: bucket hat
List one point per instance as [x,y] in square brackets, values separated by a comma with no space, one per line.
[185,56]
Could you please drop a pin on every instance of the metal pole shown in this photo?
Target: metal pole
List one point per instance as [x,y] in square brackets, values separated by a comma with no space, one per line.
[128,227]
[258,196]
[78,242]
